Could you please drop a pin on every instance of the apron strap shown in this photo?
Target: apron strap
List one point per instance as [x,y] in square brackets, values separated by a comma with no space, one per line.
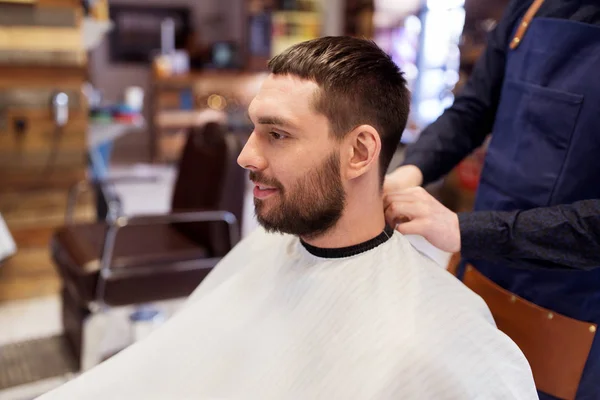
[525,23]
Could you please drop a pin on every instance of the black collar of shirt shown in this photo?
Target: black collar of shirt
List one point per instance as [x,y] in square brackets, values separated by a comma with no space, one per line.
[342,252]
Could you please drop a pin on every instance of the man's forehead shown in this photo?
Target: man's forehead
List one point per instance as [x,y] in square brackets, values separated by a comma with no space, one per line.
[284,93]
[287,88]
[289,83]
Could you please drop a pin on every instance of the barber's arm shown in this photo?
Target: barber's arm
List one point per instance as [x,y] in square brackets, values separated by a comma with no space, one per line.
[464,126]
[563,236]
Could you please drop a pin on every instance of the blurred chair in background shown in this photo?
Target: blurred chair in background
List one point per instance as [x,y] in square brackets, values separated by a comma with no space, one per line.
[126,261]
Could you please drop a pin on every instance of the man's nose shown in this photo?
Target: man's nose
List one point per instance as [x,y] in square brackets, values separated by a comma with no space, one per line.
[251,158]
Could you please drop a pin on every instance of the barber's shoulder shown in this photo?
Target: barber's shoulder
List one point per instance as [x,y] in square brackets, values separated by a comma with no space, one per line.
[501,34]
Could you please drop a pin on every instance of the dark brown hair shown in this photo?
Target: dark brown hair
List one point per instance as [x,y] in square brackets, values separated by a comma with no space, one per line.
[359,84]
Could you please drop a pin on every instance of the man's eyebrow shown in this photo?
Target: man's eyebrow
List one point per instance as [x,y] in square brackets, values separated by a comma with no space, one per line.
[273,120]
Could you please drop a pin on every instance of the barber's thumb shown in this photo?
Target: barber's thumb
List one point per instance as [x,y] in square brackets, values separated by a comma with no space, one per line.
[409,228]
[391,220]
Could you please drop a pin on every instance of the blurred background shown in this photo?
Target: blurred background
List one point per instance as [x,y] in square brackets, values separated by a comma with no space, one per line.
[120,122]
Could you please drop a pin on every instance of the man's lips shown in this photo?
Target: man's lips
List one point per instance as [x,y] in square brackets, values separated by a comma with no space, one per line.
[263,191]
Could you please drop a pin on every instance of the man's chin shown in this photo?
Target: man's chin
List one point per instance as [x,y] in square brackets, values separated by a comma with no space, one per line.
[262,209]
[261,212]
[269,226]
[274,226]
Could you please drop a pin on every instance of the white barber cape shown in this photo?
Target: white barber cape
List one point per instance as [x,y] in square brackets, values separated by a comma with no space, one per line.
[278,320]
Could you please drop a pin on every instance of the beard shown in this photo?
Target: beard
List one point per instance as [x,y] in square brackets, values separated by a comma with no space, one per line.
[310,208]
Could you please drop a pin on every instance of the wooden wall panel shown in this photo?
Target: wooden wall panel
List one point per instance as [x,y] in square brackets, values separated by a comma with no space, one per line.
[42,77]
[40,155]
[43,208]
[40,133]
[41,52]
[17,15]
[42,58]
[74,4]
[40,39]
[37,99]
[33,218]
[26,180]
[33,237]
[29,274]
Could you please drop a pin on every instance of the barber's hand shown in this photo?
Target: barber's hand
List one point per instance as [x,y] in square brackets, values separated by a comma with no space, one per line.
[416,212]
[404,177]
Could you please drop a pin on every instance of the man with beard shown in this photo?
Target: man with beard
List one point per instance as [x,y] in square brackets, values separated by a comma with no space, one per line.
[324,301]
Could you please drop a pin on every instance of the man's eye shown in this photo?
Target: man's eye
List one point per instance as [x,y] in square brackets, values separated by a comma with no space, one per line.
[276,136]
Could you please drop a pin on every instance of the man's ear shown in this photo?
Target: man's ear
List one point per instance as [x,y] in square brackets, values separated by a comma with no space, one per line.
[364,146]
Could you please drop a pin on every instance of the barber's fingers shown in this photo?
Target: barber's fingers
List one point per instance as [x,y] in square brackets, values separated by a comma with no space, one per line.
[400,210]
[400,198]
[407,201]
[407,195]
[414,227]
[417,192]
[393,220]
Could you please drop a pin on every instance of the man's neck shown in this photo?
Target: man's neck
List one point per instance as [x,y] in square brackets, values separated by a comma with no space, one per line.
[363,219]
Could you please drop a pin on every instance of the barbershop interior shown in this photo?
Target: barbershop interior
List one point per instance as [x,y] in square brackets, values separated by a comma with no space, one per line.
[121,123]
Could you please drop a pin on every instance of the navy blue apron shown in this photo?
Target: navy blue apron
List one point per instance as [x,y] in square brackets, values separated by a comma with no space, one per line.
[545,150]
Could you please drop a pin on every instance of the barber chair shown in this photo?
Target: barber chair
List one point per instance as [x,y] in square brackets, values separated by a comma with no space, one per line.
[555,345]
[134,260]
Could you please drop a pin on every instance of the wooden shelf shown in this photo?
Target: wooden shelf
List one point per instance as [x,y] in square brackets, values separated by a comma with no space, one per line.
[32,2]
[40,39]
[19,77]
[58,3]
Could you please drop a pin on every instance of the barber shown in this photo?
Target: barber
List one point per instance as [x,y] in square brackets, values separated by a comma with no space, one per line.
[535,231]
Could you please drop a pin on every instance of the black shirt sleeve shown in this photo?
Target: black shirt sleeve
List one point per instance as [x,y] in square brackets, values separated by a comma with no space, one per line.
[559,236]
[464,126]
